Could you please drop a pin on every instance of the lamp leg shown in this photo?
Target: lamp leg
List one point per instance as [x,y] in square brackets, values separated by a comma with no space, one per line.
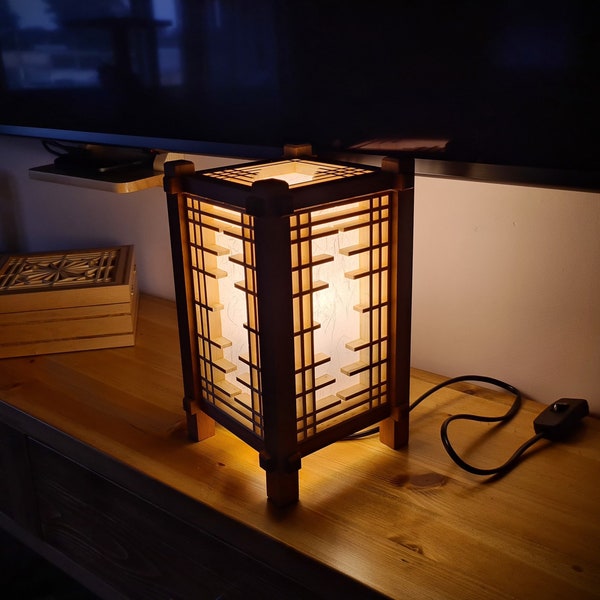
[393,431]
[282,488]
[199,426]
[282,478]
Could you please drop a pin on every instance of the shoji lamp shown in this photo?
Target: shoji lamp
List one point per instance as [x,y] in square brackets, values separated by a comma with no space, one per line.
[293,289]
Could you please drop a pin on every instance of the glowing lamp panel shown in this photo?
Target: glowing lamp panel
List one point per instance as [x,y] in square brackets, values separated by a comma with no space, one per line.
[340,268]
[224,280]
[340,271]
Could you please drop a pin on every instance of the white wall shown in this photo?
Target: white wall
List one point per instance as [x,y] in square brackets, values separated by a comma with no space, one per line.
[507,284]
[37,215]
[505,277]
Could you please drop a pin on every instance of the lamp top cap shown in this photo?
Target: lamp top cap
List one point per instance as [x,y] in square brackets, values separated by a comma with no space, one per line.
[296,172]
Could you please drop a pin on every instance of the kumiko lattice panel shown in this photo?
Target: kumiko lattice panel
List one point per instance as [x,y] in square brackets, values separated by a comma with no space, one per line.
[52,270]
[340,262]
[295,172]
[64,301]
[340,321]
[293,285]
[222,262]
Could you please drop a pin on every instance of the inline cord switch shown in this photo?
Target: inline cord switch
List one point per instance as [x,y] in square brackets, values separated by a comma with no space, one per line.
[558,419]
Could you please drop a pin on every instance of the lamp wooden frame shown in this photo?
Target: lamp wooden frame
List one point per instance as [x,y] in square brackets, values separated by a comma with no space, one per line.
[272,218]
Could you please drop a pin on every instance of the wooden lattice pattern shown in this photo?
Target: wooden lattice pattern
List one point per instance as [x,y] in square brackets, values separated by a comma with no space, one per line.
[355,238]
[39,271]
[296,172]
[349,240]
[216,233]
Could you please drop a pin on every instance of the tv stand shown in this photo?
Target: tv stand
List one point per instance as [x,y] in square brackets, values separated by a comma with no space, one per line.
[96,474]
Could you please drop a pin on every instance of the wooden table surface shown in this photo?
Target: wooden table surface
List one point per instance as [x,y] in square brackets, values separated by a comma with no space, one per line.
[408,523]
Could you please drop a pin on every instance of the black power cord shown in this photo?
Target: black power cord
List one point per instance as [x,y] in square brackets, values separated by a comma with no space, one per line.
[554,422]
[512,411]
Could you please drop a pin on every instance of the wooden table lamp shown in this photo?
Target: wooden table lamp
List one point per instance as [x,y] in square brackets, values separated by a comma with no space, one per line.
[293,288]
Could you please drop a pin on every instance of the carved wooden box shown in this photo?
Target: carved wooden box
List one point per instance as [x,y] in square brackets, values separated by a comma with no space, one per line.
[67,301]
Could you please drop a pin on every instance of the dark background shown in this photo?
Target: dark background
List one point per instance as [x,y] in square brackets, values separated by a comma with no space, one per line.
[511,82]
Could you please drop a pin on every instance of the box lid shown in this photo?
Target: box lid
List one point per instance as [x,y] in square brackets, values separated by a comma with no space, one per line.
[49,280]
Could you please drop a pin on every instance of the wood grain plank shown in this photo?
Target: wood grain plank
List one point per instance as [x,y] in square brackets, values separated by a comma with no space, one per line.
[408,523]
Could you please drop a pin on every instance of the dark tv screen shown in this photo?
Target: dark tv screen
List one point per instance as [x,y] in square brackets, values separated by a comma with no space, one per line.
[512,82]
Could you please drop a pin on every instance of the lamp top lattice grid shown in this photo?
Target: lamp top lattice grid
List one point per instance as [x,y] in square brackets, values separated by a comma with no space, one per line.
[304,182]
[295,172]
